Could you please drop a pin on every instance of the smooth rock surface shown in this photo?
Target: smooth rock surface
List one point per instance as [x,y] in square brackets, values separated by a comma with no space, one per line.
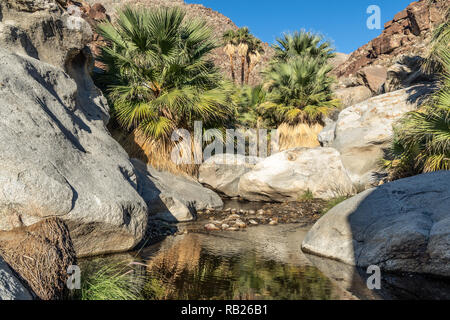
[373,77]
[58,159]
[173,198]
[363,131]
[288,175]
[352,95]
[10,287]
[403,226]
[222,172]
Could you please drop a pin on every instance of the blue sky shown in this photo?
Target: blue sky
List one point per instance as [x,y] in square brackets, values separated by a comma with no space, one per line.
[344,21]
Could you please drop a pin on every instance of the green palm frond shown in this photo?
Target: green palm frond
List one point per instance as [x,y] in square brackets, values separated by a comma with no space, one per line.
[300,90]
[297,44]
[159,74]
[422,137]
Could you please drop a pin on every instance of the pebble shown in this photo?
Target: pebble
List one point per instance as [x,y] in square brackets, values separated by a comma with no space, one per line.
[253,222]
[260,211]
[232,229]
[233,217]
[241,224]
[251,212]
[225,226]
[211,227]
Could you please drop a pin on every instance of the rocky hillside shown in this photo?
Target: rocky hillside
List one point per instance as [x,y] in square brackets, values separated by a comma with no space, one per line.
[408,33]
[217,21]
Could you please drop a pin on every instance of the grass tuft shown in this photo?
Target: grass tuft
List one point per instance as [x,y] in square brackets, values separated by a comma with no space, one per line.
[330,204]
[111,282]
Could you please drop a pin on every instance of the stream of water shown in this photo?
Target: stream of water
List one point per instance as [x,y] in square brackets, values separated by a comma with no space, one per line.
[263,262]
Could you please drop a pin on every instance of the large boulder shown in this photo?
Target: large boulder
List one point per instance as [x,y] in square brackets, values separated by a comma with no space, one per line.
[222,172]
[10,286]
[363,131]
[373,77]
[40,29]
[173,198]
[352,95]
[58,159]
[403,226]
[288,175]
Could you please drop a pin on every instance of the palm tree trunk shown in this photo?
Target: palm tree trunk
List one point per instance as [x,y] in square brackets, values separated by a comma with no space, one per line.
[249,70]
[243,69]
[233,75]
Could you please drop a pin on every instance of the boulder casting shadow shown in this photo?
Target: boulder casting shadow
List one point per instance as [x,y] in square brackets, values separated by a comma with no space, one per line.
[402,227]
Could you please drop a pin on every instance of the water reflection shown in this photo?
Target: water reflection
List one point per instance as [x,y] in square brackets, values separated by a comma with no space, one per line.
[264,262]
[189,271]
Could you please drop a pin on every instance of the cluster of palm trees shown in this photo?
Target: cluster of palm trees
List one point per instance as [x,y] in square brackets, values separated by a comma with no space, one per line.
[249,49]
[160,76]
[297,84]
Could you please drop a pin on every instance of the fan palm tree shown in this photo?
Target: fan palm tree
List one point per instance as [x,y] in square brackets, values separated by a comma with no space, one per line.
[302,44]
[440,45]
[243,38]
[251,112]
[255,49]
[229,38]
[300,90]
[422,138]
[158,75]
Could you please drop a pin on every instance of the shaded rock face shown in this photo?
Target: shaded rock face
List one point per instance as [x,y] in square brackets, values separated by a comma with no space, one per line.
[363,131]
[288,175]
[173,198]
[403,226]
[10,286]
[218,23]
[223,172]
[405,73]
[408,33]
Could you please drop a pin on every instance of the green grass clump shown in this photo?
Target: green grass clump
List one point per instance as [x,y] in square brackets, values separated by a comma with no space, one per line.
[111,282]
[306,196]
[333,203]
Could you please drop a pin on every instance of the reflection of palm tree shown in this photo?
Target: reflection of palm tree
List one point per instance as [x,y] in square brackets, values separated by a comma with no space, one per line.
[186,272]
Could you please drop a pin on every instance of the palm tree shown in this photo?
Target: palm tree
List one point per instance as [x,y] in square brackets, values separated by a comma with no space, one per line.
[440,45]
[254,52]
[422,138]
[250,108]
[158,75]
[229,38]
[243,39]
[302,44]
[300,90]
